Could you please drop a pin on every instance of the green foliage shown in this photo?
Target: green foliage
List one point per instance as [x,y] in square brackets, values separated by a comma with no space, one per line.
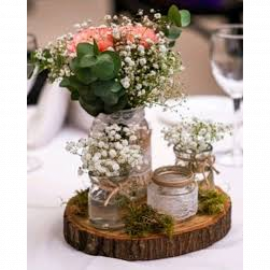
[176,19]
[179,18]
[80,202]
[174,15]
[85,49]
[174,32]
[185,17]
[93,82]
[142,220]
[211,202]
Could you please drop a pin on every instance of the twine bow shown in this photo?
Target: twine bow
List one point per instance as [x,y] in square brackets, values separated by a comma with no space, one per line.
[201,164]
[204,163]
[124,186]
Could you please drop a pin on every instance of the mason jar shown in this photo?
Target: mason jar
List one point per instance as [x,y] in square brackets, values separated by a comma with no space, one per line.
[174,191]
[106,209]
[201,164]
[132,117]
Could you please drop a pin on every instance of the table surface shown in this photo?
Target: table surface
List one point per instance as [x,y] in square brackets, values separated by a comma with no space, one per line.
[56,181]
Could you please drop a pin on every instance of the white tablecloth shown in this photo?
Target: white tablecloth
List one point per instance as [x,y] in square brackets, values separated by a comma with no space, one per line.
[57,180]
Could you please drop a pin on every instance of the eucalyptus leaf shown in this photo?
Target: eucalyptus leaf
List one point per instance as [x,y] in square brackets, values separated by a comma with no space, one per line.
[92,108]
[71,83]
[75,95]
[103,89]
[88,94]
[87,61]
[74,64]
[84,48]
[121,104]
[174,15]
[104,68]
[85,75]
[116,87]
[174,32]
[185,17]
[116,61]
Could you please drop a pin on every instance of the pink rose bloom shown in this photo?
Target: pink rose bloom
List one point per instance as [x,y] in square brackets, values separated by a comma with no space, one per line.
[102,35]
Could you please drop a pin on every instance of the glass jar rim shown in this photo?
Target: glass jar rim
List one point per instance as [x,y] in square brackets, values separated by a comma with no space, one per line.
[97,178]
[140,108]
[208,148]
[186,173]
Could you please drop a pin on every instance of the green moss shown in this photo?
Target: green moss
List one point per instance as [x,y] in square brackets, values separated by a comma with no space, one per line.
[80,202]
[211,202]
[142,220]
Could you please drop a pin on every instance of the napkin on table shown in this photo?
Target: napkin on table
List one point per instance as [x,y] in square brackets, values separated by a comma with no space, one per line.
[49,116]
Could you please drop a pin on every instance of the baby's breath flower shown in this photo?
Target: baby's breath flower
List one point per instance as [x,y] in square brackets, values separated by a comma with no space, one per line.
[109,151]
[142,61]
[194,135]
[140,12]
[125,82]
[107,17]
[116,33]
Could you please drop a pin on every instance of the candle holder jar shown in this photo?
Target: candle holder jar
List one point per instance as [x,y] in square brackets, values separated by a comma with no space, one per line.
[201,164]
[174,192]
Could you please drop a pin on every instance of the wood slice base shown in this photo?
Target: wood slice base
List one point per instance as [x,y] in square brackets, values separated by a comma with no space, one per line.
[197,233]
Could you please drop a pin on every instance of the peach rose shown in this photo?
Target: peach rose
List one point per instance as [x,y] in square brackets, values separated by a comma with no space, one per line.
[102,35]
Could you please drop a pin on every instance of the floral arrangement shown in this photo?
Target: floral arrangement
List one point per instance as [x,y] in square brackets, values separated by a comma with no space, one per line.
[112,151]
[194,135]
[123,64]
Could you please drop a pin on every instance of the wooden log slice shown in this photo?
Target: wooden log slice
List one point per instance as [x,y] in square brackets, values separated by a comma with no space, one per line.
[197,233]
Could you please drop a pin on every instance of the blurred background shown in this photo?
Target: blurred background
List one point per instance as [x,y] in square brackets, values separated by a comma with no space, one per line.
[48,19]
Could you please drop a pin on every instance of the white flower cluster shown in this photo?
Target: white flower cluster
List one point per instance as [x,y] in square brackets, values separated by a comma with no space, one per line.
[148,67]
[148,73]
[193,136]
[55,58]
[112,151]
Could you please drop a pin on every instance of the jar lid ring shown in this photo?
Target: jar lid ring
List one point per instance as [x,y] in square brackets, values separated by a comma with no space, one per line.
[187,176]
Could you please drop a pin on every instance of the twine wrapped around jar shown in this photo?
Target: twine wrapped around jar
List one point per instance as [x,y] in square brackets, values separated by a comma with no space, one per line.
[200,163]
[122,185]
[158,176]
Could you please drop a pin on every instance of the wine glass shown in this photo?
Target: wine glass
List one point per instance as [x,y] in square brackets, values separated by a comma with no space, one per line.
[33,163]
[226,53]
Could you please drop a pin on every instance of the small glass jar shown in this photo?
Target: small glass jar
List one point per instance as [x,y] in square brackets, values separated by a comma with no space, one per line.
[199,163]
[105,211]
[174,192]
